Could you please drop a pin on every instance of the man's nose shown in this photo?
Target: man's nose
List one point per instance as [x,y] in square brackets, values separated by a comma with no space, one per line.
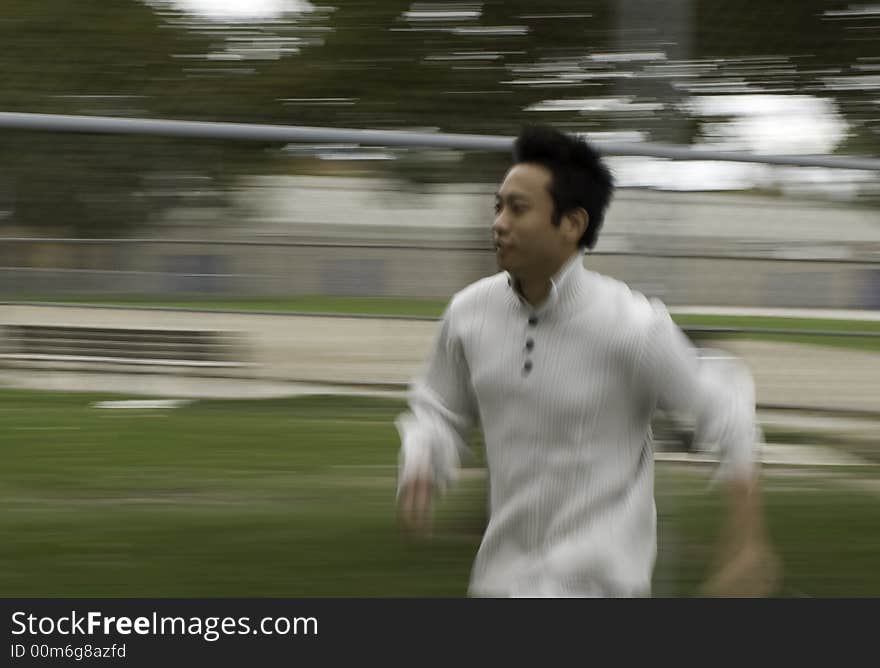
[499,226]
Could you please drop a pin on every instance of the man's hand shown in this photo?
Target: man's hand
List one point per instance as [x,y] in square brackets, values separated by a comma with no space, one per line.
[414,505]
[747,565]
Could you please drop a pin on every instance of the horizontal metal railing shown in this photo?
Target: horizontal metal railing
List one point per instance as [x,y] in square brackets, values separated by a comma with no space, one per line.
[292,134]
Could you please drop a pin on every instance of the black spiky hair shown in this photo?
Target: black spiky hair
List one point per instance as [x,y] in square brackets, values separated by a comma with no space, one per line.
[580,178]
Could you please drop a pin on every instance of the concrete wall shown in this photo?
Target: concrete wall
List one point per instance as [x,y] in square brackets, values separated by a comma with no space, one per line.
[254,256]
[216,270]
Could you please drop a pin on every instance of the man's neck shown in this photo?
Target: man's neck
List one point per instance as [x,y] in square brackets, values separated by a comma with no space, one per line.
[536,288]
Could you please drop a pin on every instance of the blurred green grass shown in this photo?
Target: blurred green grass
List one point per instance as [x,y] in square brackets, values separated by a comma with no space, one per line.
[400,306]
[295,497]
[433,308]
[764,322]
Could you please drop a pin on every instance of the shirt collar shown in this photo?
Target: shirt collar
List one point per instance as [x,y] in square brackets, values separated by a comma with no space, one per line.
[559,283]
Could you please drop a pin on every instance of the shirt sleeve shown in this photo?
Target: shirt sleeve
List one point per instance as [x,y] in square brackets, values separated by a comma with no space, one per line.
[442,410]
[715,389]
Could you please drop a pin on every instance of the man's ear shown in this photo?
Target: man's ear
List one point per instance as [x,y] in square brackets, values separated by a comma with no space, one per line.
[576,222]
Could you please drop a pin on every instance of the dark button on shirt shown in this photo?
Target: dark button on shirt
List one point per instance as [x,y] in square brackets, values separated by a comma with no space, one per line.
[533,321]
[530,343]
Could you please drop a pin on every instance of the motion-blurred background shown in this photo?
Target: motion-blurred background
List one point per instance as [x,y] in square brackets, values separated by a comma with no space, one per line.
[161,268]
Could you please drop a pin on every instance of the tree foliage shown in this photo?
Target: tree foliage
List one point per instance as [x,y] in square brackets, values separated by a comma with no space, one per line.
[483,67]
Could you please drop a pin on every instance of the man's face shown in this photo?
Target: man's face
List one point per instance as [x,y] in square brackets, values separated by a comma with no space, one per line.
[527,243]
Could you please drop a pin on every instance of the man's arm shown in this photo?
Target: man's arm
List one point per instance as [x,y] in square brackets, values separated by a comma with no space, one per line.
[746,564]
[719,392]
[433,432]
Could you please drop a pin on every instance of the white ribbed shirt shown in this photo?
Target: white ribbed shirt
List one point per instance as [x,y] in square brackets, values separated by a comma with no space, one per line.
[564,393]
